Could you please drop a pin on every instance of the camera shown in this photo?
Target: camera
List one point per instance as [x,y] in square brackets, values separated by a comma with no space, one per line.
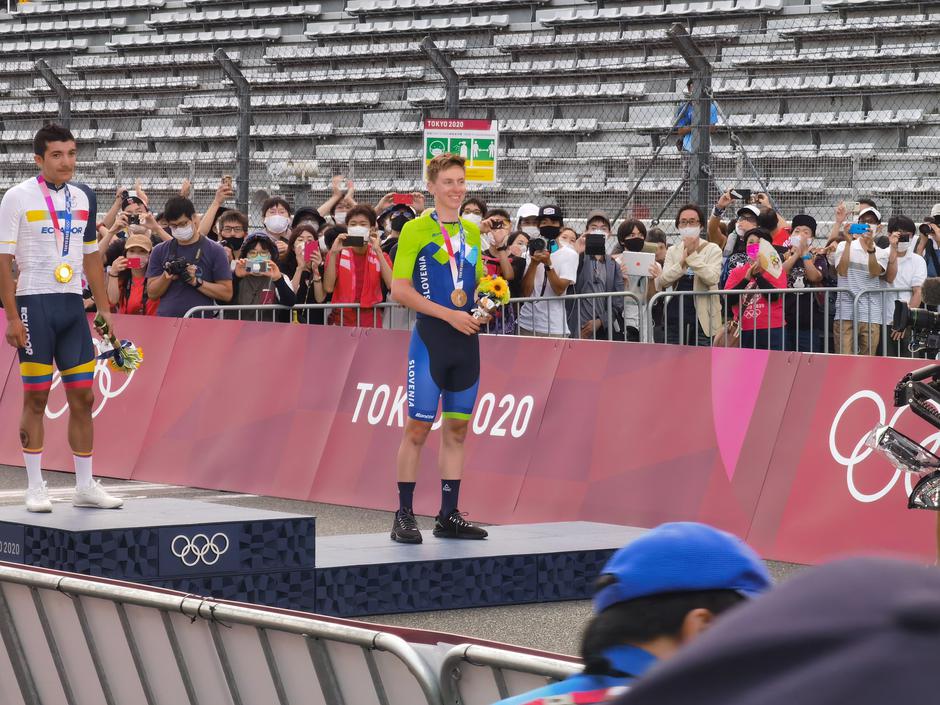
[537,244]
[925,228]
[177,267]
[133,219]
[924,325]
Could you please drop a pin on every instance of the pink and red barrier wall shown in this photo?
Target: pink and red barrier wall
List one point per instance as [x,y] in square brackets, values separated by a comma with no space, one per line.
[767,445]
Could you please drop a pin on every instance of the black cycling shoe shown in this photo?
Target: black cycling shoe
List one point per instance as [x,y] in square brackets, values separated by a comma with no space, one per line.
[405,527]
[456,527]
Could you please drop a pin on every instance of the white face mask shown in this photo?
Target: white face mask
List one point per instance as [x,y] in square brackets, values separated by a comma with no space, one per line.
[903,246]
[339,218]
[276,223]
[530,230]
[689,232]
[740,229]
[474,218]
[182,234]
[359,231]
[322,241]
[485,242]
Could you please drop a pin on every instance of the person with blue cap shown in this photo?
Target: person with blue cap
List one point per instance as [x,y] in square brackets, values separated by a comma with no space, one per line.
[654,595]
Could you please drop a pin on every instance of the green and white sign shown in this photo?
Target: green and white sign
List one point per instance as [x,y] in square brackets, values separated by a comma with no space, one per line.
[474,140]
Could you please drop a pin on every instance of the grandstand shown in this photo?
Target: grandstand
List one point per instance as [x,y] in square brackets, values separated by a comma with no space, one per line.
[829,100]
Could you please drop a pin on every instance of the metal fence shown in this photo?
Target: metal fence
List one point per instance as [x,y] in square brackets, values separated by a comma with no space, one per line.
[814,317]
[812,103]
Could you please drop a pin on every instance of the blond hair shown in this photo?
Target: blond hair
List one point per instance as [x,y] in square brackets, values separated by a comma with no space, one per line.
[442,162]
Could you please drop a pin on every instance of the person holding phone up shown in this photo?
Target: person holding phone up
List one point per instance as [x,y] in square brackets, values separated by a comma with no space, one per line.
[127,279]
[861,265]
[356,268]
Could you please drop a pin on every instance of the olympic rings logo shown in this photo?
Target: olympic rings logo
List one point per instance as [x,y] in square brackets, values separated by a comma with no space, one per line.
[103,376]
[199,549]
[860,452]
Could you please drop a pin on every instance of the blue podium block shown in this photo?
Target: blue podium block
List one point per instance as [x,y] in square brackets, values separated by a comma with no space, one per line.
[369,574]
[235,553]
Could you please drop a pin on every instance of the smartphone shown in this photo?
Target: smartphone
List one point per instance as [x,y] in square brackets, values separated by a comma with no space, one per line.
[742,194]
[794,241]
[595,244]
[354,241]
[859,229]
[309,249]
[227,180]
[403,199]
[852,206]
[256,267]
[134,263]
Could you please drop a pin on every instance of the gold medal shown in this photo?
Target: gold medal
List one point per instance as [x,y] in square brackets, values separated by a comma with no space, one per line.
[459,298]
[63,273]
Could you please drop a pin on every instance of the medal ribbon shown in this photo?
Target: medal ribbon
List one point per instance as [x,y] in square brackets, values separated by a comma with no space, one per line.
[455,259]
[62,237]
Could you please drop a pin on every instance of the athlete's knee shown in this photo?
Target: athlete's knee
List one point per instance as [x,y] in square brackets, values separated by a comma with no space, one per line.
[34,402]
[80,400]
[455,431]
[416,432]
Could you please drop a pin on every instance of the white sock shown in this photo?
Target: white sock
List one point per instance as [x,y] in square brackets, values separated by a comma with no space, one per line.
[82,470]
[33,462]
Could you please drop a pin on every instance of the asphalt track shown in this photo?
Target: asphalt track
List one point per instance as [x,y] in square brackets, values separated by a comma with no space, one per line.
[552,627]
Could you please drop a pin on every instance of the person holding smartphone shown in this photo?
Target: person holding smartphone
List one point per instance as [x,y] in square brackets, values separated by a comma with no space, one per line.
[304,266]
[356,269]
[127,279]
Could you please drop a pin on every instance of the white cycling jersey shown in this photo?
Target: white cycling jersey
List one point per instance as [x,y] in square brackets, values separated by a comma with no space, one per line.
[27,233]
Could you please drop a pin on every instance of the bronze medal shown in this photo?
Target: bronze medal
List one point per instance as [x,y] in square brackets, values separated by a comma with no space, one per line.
[459,298]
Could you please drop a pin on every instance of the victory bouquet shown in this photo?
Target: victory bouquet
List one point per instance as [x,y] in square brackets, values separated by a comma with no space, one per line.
[493,292]
[122,355]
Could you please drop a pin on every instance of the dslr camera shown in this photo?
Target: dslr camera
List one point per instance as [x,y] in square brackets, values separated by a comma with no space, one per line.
[924,325]
[537,244]
[178,267]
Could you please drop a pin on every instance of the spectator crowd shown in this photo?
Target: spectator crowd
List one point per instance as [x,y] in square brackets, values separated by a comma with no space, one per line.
[783,284]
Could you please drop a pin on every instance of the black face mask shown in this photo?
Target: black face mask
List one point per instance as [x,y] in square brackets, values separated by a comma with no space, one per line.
[883,242]
[235,243]
[633,244]
[398,222]
[549,232]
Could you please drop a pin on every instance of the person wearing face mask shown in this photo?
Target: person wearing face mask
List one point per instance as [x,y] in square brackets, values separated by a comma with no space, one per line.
[392,219]
[354,274]
[631,237]
[276,214]
[127,279]
[912,271]
[806,267]
[133,218]
[233,227]
[216,211]
[260,282]
[518,252]
[760,314]
[598,222]
[553,268]
[304,265]
[692,264]
[474,210]
[342,198]
[499,261]
[527,219]
[600,318]
[190,270]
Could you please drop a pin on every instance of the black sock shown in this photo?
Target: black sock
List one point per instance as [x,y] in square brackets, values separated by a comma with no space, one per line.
[406,493]
[449,491]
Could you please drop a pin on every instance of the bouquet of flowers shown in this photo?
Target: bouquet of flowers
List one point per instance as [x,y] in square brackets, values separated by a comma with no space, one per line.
[493,292]
[122,355]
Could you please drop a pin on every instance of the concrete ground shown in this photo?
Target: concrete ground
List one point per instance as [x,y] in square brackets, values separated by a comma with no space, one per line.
[551,627]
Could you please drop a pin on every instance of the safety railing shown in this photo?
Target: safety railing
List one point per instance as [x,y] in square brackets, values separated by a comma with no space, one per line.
[481,675]
[112,643]
[818,319]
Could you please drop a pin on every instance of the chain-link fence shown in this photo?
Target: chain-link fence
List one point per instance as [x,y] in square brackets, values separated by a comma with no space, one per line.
[815,103]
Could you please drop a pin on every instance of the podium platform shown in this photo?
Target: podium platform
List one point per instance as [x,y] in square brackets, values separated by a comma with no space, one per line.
[235,553]
[274,558]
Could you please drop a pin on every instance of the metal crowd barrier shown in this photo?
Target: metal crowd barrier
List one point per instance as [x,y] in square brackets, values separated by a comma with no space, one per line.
[481,675]
[886,298]
[74,640]
[660,320]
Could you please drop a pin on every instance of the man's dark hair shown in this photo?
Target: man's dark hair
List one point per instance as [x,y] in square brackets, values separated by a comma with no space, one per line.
[762,233]
[177,207]
[656,236]
[330,234]
[361,209]
[867,202]
[259,239]
[230,215]
[627,227]
[689,83]
[645,619]
[691,207]
[50,133]
[479,203]
[768,219]
[269,203]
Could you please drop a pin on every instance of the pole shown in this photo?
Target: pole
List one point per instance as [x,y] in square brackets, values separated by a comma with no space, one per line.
[243,144]
[63,95]
[440,62]
[699,166]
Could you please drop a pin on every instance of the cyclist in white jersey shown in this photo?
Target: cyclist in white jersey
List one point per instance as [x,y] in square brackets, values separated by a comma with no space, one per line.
[48,226]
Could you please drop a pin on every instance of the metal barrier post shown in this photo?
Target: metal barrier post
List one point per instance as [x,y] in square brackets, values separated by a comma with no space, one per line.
[440,62]
[699,167]
[243,144]
[62,93]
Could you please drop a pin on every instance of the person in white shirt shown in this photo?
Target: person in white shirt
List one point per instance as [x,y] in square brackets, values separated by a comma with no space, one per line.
[552,269]
[912,271]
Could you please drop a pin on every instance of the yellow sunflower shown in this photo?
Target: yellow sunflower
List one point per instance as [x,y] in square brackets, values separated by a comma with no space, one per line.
[499,289]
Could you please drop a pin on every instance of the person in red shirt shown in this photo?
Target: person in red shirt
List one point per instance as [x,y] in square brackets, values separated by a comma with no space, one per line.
[127,279]
[354,273]
[759,312]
